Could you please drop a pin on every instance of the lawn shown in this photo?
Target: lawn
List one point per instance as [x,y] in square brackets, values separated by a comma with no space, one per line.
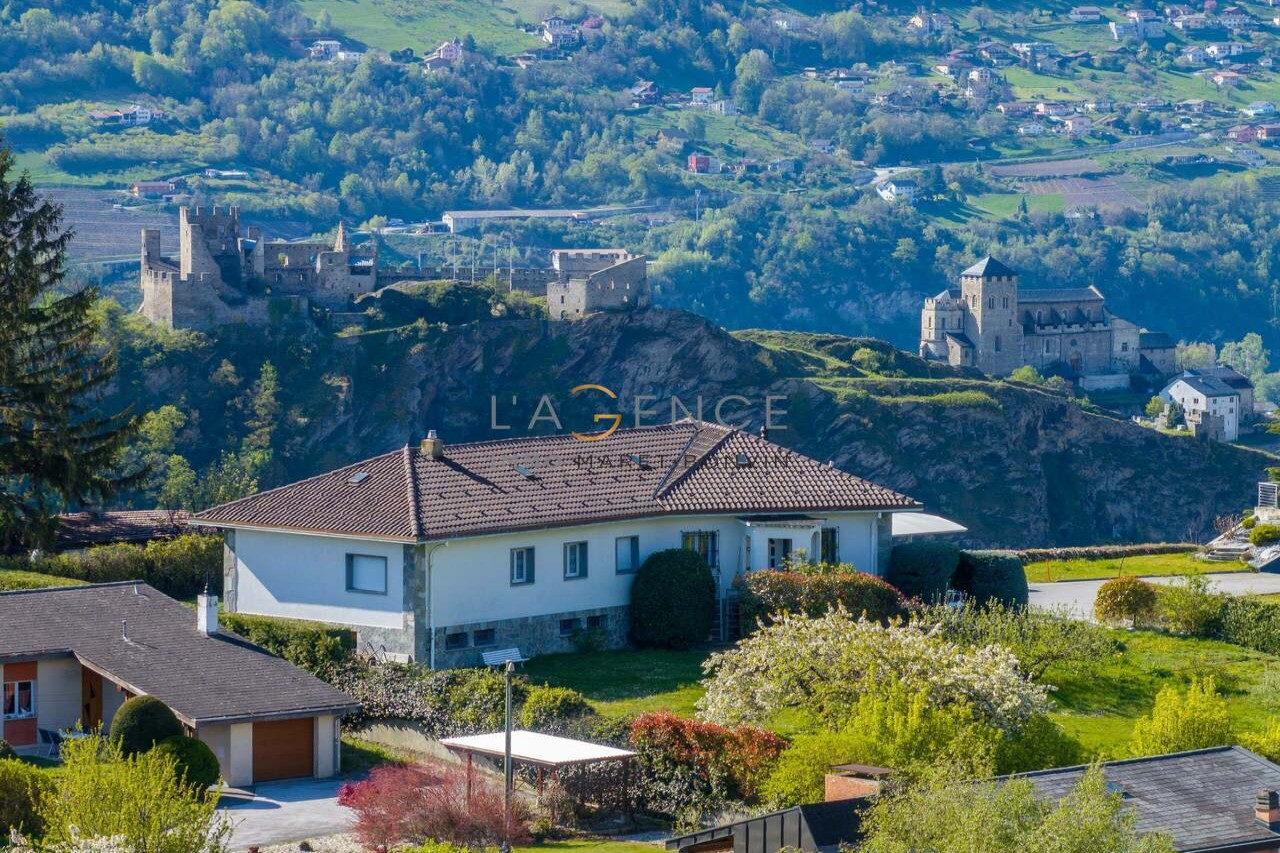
[1048,571]
[1100,707]
[587,845]
[620,684]
[1005,205]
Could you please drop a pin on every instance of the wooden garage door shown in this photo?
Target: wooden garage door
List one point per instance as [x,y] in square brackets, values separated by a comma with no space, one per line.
[283,749]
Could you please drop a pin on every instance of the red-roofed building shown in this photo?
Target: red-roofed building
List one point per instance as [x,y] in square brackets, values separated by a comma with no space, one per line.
[437,552]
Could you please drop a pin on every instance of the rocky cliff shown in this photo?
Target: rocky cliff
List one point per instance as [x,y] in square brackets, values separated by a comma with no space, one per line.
[1018,466]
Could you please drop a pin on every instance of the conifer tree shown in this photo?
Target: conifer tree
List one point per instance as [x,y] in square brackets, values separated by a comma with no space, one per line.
[57,449]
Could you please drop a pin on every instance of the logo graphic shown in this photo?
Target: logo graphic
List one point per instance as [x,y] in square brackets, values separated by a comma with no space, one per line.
[614,416]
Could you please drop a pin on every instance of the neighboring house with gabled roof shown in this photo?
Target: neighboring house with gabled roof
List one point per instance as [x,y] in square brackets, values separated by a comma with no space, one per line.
[437,552]
[70,656]
[1211,406]
[78,530]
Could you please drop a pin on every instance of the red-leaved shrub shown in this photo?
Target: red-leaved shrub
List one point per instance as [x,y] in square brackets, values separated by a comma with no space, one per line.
[742,757]
[410,804]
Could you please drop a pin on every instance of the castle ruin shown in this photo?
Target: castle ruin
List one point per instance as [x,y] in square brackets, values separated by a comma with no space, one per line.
[222,277]
[590,280]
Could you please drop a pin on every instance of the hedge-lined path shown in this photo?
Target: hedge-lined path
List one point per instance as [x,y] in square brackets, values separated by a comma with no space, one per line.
[1078,596]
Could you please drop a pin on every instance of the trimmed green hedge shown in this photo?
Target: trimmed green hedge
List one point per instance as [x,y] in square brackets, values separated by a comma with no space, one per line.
[985,575]
[923,569]
[180,567]
[141,723]
[311,645]
[1264,534]
[196,763]
[1105,552]
[767,594]
[1251,622]
[14,579]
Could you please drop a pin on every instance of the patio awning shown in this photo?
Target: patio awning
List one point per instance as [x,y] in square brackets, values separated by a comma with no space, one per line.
[923,524]
[536,748]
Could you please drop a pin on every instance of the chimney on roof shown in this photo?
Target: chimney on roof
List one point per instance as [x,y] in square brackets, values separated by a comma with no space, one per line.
[853,782]
[764,431]
[1266,809]
[207,613]
[433,445]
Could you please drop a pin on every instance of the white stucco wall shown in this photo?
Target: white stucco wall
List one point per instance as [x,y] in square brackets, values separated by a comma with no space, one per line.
[58,693]
[218,739]
[326,734]
[471,578]
[238,771]
[305,577]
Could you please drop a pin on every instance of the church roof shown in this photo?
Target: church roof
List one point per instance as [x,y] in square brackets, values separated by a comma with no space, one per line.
[1155,340]
[1060,294]
[988,267]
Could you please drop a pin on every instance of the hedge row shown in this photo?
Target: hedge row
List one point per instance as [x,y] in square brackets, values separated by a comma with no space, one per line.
[15,579]
[180,567]
[985,575]
[1251,622]
[1104,552]
[311,645]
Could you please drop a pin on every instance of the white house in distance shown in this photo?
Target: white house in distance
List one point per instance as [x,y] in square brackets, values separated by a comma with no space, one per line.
[1210,405]
[435,552]
[897,191]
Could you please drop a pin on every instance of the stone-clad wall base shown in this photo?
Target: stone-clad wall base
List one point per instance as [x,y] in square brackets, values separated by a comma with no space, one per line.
[392,643]
[533,635]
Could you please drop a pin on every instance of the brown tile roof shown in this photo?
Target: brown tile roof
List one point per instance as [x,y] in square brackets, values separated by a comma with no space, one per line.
[203,679]
[82,529]
[524,483]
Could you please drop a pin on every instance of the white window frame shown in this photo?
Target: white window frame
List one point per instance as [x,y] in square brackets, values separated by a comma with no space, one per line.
[523,566]
[633,554]
[576,560]
[6,697]
[351,574]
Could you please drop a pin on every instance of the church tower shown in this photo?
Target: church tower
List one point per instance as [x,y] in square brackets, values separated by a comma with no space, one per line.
[340,243]
[989,290]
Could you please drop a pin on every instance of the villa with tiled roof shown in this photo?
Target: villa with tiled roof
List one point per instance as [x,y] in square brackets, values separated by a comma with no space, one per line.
[436,552]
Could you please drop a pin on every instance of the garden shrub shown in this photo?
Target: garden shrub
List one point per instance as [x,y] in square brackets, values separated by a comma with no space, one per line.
[6,751]
[767,594]
[1191,606]
[672,599]
[690,769]
[477,698]
[141,722]
[309,645]
[1250,622]
[1125,598]
[799,775]
[1266,743]
[194,761]
[414,804]
[21,787]
[1248,522]
[106,563]
[185,565]
[15,579]
[1039,744]
[923,569]
[1197,719]
[987,575]
[1264,534]
[549,708]
[1039,638]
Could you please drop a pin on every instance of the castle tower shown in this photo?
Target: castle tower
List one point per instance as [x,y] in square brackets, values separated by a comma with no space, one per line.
[340,243]
[989,290]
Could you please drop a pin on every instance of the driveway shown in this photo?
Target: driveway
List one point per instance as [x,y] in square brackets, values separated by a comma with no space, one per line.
[1078,596]
[280,812]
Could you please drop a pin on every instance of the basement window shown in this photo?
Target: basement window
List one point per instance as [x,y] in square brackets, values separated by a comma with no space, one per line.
[568,627]
[484,637]
[456,641]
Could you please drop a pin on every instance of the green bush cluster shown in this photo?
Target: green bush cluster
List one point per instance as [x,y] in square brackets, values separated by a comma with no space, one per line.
[180,567]
[1250,622]
[193,759]
[1249,522]
[1264,534]
[923,569]
[987,575]
[547,708]
[22,785]
[310,645]
[141,723]
[15,579]
[672,599]
[768,594]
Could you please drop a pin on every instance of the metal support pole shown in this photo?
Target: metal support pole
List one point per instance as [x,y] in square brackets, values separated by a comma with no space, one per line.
[507,768]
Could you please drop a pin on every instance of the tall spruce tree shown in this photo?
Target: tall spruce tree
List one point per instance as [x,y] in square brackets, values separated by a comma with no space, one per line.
[57,450]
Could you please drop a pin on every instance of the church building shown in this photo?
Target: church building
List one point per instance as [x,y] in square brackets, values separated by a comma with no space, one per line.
[990,324]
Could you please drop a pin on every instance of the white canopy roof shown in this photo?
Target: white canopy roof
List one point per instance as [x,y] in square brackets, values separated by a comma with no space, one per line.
[922,523]
[537,748]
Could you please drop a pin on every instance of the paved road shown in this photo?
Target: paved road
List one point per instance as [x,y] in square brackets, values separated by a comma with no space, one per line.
[280,812]
[1078,596]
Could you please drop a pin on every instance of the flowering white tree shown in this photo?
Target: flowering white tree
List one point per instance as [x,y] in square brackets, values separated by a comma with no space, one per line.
[820,664]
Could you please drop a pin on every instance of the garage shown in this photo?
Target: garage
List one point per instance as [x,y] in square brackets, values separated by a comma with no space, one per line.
[283,749]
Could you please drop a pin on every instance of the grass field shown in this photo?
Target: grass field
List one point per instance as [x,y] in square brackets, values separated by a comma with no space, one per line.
[1005,205]
[423,24]
[1048,571]
[619,684]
